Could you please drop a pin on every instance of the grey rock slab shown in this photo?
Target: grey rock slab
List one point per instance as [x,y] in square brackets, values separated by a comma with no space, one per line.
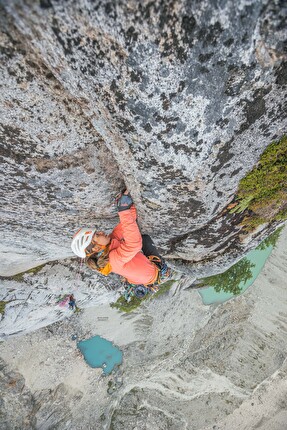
[175,101]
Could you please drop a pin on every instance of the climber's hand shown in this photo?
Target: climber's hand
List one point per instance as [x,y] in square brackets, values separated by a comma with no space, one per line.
[124,202]
[119,195]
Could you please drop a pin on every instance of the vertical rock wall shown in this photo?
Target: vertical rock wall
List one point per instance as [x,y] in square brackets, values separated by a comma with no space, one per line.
[176,99]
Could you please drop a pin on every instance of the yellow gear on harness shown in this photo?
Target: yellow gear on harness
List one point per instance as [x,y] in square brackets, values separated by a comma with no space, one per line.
[105,270]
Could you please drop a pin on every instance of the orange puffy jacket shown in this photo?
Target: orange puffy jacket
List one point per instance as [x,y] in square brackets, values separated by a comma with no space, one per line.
[125,255]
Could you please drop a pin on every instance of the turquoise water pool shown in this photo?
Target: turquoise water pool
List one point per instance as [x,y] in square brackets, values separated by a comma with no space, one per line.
[257,259]
[99,352]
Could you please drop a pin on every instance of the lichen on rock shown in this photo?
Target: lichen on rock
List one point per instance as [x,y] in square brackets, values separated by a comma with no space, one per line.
[173,101]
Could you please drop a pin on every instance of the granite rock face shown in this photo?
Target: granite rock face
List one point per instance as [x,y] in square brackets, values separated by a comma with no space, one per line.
[22,409]
[175,100]
[41,299]
[17,398]
[185,365]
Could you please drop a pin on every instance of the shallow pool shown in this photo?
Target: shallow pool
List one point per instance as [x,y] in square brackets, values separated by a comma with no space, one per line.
[99,352]
[257,258]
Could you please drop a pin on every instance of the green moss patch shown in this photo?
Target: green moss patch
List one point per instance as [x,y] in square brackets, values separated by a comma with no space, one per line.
[20,276]
[2,306]
[125,306]
[262,194]
[164,288]
[134,303]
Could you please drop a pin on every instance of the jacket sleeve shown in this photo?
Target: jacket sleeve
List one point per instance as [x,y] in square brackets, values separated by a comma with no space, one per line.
[132,243]
[133,212]
[118,230]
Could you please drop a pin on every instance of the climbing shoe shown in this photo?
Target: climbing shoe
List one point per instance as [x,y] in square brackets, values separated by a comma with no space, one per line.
[165,273]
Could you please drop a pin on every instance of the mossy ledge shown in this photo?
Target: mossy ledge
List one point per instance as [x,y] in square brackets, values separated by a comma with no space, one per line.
[134,303]
[19,277]
[262,194]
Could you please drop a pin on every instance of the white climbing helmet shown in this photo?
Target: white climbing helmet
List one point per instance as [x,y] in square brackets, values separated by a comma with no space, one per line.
[81,240]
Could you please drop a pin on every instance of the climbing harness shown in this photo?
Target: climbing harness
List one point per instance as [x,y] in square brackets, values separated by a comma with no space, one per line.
[140,291]
[164,272]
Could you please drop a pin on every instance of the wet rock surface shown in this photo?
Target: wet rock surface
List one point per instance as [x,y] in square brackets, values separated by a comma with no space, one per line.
[176,100]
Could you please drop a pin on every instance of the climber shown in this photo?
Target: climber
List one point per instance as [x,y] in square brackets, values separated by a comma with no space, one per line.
[72,302]
[125,251]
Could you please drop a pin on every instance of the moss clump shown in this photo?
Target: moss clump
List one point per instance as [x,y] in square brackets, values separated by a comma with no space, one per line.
[130,306]
[135,302]
[263,191]
[2,306]
[163,289]
[20,276]
[77,310]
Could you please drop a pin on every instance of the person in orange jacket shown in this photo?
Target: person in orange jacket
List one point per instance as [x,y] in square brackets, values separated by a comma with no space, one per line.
[125,251]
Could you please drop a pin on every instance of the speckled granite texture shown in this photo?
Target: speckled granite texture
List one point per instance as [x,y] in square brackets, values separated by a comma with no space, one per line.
[174,99]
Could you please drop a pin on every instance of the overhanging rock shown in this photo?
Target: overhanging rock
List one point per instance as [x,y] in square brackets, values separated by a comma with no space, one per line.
[175,100]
